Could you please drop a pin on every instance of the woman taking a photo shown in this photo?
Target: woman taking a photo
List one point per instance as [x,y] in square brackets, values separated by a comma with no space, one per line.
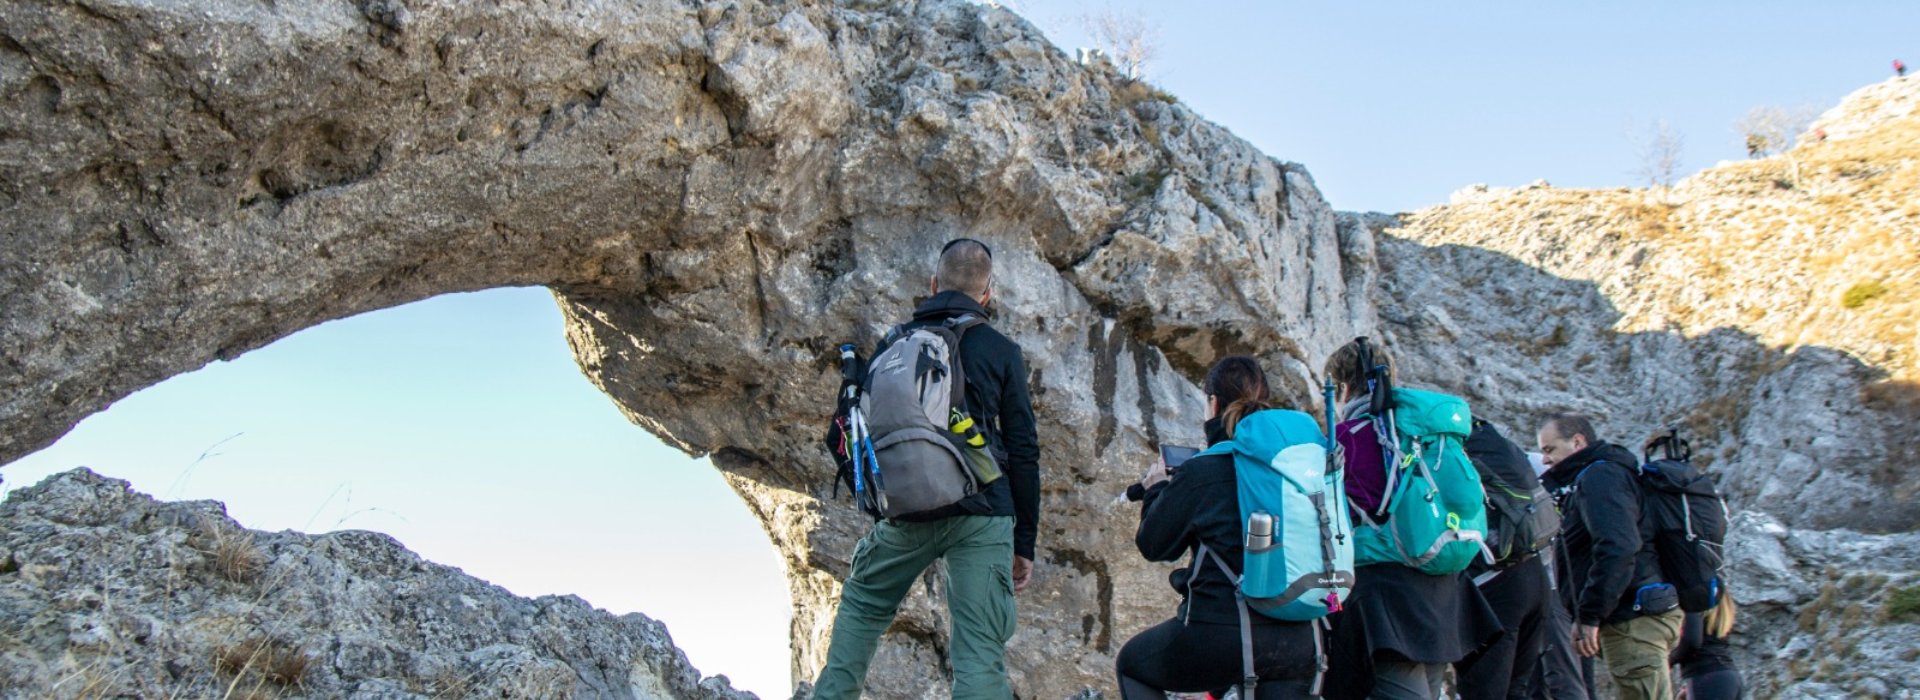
[1199,649]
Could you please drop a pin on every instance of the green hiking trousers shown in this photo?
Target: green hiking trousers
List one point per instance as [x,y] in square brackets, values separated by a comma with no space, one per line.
[979,554]
[1636,653]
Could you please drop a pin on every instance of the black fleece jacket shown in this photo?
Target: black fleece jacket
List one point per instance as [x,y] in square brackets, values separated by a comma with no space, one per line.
[1607,555]
[997,399]
[1200,503]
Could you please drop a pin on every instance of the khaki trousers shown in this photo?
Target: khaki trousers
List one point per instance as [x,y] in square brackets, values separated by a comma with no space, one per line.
[1636,654]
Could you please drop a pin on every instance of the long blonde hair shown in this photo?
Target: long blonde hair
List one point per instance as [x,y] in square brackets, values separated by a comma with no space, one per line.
[1718,622]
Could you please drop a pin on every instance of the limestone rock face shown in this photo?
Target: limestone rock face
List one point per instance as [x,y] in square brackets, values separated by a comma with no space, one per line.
[1820,614]
[721,193]
[105,592]
[718,193]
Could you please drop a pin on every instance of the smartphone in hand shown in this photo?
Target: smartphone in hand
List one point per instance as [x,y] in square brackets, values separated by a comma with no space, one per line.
[1175,455]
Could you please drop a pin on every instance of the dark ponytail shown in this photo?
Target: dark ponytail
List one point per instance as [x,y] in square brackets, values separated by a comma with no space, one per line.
[1240,386]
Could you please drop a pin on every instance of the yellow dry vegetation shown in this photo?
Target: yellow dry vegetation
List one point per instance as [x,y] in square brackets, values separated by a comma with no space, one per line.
[1816,246]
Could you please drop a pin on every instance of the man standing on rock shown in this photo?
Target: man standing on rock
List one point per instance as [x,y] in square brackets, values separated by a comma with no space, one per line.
[1623,610]
[987,539]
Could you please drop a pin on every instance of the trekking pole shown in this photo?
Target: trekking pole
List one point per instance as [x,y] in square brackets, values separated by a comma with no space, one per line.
[856,428]
[1327,390]
[856,424]
[879,484]
[849,372]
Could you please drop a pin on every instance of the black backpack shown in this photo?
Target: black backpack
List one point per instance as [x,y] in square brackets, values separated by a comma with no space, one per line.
[1688,520]
[1521,516]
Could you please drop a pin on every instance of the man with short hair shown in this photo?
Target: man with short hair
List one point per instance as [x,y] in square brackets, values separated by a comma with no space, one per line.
[987,539]
[1623,610]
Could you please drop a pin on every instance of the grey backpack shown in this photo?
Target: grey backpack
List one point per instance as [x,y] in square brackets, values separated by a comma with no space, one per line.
[915,401]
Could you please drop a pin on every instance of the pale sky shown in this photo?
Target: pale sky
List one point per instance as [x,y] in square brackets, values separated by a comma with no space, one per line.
[461,426]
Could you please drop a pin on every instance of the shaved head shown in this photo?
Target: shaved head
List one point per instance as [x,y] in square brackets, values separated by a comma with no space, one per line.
[966,266]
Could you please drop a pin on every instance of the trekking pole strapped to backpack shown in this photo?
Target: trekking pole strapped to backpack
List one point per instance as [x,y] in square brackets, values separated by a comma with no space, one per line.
[1333,417]
[1380,408]
[917,428]
[1432,511]
[840,438]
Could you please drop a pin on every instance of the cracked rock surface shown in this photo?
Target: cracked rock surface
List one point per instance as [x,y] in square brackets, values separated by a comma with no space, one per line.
[105,592]
[720,193]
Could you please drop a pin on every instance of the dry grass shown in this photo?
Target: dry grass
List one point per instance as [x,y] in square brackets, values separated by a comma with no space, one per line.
[450,685]
[263,660]
[1890,142]
[1832,259]
[235,555]
[1654,221]
[92,681]
[1130,92]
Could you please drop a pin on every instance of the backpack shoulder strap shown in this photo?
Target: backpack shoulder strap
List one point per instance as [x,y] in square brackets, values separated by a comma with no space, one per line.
[1249,679]
[958,326]
[1203,554]
[893,335]
[963,323]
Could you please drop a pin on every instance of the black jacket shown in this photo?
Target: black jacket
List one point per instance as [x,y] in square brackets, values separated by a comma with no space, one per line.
[1200,503]
[1608,558]
[997,399]
[1493,452]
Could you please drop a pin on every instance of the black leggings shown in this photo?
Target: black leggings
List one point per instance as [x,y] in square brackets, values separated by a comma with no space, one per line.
[1204,657]
[1723,684]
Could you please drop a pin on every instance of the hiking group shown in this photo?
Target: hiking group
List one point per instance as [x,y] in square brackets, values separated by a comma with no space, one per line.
[1358,553]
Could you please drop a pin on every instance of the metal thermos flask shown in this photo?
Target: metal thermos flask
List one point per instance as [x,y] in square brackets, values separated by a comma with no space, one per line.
[1259,531]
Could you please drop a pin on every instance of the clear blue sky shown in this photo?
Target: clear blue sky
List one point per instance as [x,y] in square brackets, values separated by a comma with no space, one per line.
[462,426]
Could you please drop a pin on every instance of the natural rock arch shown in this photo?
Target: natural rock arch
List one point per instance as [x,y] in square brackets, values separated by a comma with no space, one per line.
[719,194]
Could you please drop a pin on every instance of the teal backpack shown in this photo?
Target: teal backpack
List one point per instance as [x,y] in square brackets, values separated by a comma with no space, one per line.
[1433,515]
[1299,542]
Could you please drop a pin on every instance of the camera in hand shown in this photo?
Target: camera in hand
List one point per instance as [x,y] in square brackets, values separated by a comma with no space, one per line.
[1175,455]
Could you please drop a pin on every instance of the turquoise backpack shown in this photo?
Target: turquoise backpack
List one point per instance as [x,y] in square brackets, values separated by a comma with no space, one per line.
[1434,517]
[1304,567]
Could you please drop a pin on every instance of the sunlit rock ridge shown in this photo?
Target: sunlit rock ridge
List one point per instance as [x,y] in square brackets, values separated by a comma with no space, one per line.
[721,193]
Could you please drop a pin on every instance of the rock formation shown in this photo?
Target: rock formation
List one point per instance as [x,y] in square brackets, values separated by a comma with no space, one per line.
[1765,308]
[719,193]
[106,593]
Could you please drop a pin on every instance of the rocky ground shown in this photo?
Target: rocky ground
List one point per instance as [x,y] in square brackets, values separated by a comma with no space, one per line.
[720,193]
[107,593]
